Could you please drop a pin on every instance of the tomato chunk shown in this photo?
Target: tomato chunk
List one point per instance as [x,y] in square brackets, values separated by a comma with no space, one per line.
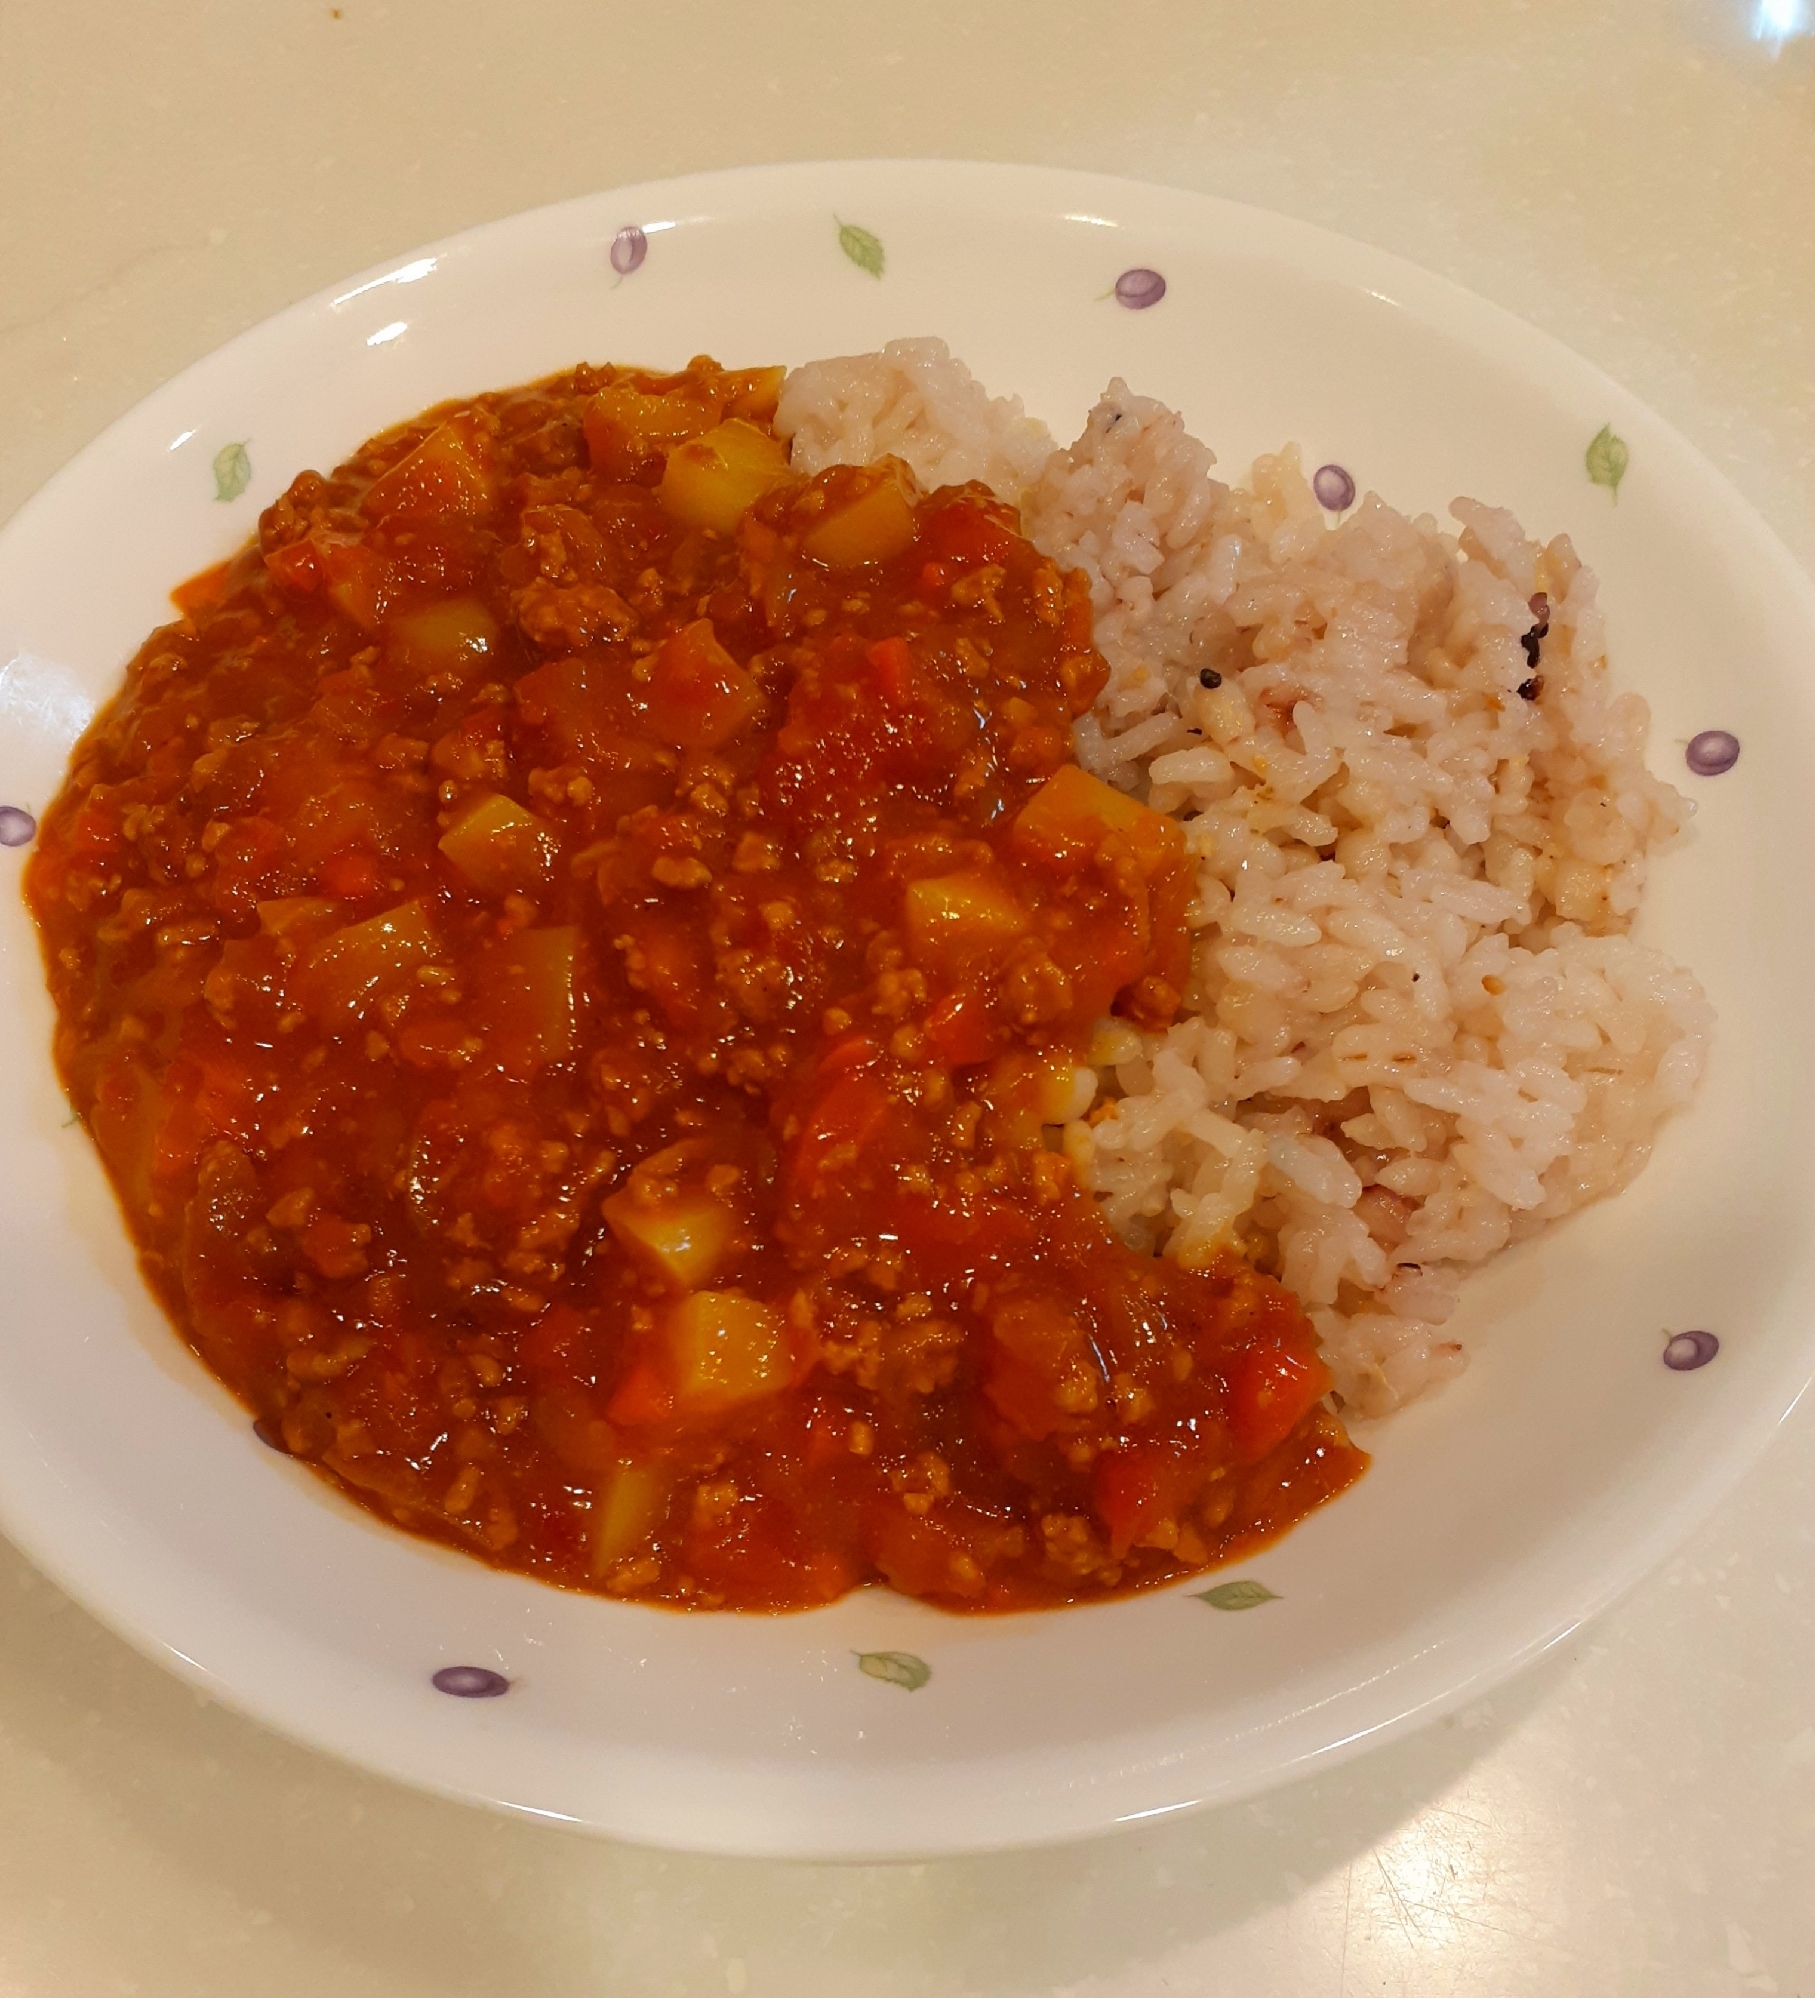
[699,696]
[1275,1386]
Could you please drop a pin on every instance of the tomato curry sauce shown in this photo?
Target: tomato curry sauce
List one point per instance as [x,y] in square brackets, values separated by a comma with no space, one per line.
[574,952]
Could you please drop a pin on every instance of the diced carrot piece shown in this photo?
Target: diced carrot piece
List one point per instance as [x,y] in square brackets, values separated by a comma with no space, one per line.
[854,1051]
[893,661]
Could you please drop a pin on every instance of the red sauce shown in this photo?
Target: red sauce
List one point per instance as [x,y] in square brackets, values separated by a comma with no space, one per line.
[573,951]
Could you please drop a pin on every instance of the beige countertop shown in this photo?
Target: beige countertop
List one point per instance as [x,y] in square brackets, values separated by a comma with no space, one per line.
[1637,1813]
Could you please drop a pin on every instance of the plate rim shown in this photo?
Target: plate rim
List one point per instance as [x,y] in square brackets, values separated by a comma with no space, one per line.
[1308,247]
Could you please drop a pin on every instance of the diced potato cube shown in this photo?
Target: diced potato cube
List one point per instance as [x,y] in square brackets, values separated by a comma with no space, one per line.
[625,1511]
[954,920]
[725,1349]
[448,472]
[754,392]
[1067,818]
[362,963]
[680,1234]
[623,419]
[699,696]
[711,481]
[529,998]
[874,528]
[1027,1091]
[357,578]
[501,848]
[454,637]
[297,920]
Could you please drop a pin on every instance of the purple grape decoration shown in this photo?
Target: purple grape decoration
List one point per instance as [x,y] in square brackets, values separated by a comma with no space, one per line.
[1138,289]
[628,249]
[1688,1350]
[16,826]
[1334,489]
[470,1682]
[1712,753]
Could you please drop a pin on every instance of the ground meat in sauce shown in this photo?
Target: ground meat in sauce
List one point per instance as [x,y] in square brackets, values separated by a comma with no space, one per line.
[572,952]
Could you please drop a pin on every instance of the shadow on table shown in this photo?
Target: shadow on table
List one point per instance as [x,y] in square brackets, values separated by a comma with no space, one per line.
[250,1862]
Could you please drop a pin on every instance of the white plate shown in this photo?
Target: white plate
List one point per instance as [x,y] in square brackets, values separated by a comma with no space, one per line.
[1497,1516]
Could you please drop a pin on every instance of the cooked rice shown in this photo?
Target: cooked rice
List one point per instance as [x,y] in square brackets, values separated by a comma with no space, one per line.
[1417,1028]
[916,402]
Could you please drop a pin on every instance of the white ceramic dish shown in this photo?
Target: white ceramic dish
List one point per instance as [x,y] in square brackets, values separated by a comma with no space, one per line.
[1496,1517]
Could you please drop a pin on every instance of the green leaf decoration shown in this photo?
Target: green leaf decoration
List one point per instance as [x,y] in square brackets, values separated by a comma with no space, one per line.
[899,1668]
[863,249]
[1607,458]
[1238,1595]
[232,471]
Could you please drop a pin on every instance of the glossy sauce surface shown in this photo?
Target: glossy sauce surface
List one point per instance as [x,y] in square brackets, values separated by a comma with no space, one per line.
[574,953]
